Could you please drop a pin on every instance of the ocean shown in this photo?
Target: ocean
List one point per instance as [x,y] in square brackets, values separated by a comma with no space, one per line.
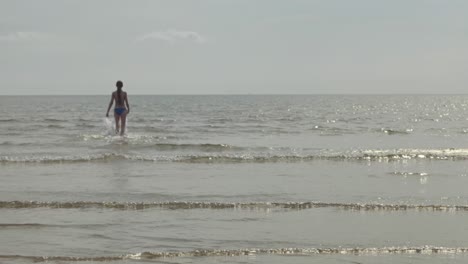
[235,179]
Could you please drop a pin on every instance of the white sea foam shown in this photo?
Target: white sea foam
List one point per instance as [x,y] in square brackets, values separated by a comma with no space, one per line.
[233,205]
[223,153]
[147,255]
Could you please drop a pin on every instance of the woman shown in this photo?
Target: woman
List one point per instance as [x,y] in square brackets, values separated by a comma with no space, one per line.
[120,111]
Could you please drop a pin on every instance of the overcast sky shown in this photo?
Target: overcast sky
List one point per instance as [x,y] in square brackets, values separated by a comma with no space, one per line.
[233,46]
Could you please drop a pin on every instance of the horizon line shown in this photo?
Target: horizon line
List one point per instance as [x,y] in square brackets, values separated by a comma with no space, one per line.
[241,94]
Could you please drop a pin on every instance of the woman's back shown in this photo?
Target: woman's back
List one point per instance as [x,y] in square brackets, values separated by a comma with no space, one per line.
[119,97]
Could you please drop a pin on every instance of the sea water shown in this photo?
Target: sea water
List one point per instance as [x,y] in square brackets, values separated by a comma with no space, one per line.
[235,179]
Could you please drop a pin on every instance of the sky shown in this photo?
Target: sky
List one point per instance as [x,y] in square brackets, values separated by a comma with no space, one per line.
[234,46]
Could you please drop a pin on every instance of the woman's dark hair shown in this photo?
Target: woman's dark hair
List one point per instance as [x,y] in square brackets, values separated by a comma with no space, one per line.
[119,85]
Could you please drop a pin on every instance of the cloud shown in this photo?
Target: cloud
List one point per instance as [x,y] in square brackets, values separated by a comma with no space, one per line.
[172,36]
[22,36]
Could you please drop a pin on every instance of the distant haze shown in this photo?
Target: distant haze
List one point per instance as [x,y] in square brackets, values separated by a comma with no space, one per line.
[233,46]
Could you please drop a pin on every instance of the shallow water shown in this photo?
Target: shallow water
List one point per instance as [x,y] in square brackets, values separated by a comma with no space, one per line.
[235,179]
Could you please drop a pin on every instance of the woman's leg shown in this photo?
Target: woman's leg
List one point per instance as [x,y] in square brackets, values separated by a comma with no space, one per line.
[117,125]
[124,123]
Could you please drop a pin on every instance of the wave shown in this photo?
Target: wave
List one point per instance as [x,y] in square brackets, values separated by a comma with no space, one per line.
[220,120]
[332,131]
[9,143]
[85,120]
[37,225]
[86,125]
[22,225]
[55,126]
[337,131]
[389,131]
[54,120]
[59,159]
[8,120]
[256,157]
[201,147]
[128,139]
[408,173]
[251,252]
[223,205]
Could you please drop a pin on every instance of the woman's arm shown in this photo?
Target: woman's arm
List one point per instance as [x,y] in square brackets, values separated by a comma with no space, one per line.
[126,102]
[110,104]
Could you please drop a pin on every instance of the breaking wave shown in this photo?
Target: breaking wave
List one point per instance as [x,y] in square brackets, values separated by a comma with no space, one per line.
[390,131]
[223,156]
[223,205]
[60,159]
[250,252]
[407,173]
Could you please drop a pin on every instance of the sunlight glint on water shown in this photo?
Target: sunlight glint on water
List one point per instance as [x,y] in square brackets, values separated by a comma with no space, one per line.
[237,179]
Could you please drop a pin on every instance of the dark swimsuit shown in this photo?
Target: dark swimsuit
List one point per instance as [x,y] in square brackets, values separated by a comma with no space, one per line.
[120,110]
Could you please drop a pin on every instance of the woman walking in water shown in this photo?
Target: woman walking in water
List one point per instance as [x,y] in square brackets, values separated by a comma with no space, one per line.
[120,111]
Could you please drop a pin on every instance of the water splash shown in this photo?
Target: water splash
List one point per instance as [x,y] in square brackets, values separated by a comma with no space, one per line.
[109,127]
